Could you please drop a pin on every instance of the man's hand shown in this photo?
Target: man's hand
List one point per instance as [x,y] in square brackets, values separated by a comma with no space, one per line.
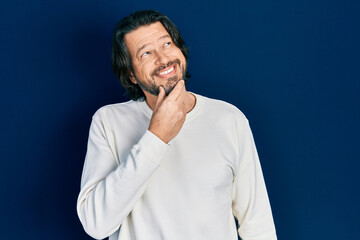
[169,113]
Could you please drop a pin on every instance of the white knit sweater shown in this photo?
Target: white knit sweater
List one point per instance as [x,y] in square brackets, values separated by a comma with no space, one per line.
[136,187]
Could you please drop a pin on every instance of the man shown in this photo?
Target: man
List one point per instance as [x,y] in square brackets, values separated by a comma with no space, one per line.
[169,164]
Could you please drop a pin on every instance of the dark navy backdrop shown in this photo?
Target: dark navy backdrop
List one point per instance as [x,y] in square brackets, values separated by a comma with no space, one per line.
[292,67]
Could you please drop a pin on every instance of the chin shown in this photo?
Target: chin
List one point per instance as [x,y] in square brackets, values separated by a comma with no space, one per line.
[168,90]
[171,83]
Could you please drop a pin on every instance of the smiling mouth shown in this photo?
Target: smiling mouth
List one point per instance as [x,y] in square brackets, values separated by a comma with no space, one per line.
[167,71]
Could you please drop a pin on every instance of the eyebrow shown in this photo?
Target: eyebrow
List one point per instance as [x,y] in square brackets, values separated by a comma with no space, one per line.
[164,36]
[146,44]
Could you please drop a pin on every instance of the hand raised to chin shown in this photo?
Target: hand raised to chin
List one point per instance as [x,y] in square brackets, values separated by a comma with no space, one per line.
[169,113]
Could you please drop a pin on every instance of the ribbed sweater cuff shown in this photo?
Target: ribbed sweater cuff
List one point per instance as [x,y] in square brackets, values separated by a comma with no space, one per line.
[152,147]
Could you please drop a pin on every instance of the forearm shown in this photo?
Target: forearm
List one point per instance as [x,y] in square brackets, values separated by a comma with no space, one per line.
[104,203]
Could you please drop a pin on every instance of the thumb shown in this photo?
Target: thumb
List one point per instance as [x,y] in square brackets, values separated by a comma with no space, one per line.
[160,97]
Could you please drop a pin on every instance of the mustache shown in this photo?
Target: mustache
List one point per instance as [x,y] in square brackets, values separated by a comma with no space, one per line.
[166,65]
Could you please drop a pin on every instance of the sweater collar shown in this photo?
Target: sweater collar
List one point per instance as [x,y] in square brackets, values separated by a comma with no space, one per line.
[189,116]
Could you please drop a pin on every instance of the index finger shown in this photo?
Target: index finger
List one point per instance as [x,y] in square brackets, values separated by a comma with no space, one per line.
[175,93]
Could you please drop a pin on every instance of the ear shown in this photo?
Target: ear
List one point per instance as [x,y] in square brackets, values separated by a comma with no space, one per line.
[132,78]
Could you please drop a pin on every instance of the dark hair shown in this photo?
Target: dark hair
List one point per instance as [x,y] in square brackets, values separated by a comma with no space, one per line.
[120,58]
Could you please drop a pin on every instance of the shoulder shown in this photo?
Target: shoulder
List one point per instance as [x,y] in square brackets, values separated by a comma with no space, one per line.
[116,110]
[221,109]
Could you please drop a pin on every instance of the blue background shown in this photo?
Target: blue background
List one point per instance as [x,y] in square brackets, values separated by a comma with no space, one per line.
[292,67]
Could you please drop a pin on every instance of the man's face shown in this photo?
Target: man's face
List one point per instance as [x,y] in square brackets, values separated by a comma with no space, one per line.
[155,58]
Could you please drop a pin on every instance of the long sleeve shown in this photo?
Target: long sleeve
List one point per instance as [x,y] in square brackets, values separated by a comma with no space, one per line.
[110,190]
[251,205]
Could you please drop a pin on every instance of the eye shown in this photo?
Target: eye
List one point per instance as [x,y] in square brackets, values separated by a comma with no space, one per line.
[145,54]
[167,44]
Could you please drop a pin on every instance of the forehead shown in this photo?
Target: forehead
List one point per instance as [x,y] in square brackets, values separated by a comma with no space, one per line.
[144,35]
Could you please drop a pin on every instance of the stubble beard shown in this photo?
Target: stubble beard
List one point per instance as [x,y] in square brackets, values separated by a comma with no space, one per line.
[171,82]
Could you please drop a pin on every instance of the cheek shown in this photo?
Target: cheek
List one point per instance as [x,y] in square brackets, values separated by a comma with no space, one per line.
[177,54]
[143,69]
[182,57]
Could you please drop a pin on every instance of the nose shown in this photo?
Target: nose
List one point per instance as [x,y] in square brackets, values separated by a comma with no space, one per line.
[161,58]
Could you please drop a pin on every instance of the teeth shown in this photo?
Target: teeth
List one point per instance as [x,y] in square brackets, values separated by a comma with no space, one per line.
[167,72]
